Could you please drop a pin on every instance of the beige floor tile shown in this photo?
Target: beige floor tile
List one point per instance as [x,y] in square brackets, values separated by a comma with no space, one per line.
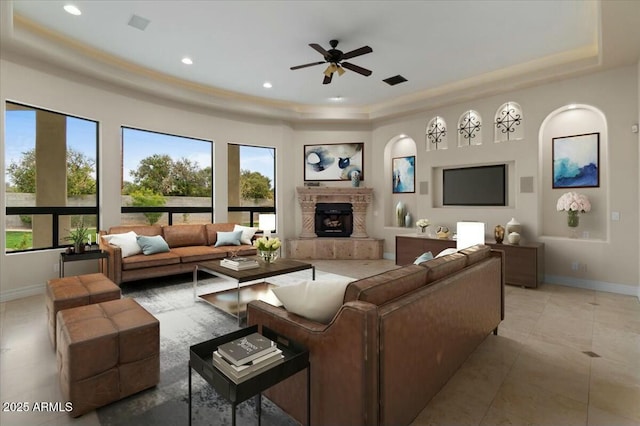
[618,317]
[598,417]
[518,320]
[569,328]
[618,301]
[617,345]
[521,403]
[615,388]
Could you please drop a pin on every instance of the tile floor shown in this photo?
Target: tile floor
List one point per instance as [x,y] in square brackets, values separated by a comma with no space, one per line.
[563,356]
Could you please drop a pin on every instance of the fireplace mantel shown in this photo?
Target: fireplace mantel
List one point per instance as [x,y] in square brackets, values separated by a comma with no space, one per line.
[360,198]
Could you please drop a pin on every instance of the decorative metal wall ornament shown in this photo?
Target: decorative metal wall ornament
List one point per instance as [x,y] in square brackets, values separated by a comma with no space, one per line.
[469,129]
[437,133]
[508,121]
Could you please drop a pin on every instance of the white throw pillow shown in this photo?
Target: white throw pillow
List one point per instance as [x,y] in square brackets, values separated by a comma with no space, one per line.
[317,300]
[247,233]
[446,252]
[127,243]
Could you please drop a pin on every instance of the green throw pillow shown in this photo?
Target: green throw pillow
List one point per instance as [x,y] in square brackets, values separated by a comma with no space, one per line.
[228,238]
[151,245]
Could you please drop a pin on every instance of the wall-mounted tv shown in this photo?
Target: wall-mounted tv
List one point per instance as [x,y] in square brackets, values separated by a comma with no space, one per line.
[475,186]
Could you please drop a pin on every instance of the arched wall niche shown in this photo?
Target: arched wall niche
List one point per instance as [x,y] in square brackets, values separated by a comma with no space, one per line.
[572,120]
[398,146]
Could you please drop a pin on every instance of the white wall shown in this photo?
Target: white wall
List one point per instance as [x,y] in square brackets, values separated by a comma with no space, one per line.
[612,262]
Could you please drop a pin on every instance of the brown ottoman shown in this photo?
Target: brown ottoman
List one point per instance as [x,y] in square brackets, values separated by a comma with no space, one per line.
[106,351]
[69,292]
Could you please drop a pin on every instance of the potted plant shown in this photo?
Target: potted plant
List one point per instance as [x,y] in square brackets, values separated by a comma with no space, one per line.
[78,236]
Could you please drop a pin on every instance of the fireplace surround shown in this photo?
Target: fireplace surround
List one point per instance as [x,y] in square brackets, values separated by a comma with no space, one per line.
[358,245]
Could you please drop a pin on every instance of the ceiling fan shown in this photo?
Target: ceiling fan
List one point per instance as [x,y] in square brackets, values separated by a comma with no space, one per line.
[334,58]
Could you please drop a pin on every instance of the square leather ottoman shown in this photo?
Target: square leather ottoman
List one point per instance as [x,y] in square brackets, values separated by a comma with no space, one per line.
[106,351]
[80,290]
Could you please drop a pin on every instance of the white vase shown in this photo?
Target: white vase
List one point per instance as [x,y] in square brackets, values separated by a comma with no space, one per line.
[513,226]
[407,220]
[514,238]
[400,214]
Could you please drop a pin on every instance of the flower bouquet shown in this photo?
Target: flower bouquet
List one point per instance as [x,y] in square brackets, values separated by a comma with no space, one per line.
[573,203]
[422,224]
[267,248]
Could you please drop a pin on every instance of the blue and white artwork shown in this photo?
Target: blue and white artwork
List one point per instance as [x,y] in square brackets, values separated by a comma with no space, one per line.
[404,174]
[333,161]
[576,161]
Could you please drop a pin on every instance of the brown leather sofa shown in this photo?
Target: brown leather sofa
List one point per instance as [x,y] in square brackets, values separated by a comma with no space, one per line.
[188,244]
[394,343]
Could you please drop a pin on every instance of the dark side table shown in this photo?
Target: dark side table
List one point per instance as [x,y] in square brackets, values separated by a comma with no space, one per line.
[296,358]
[87,255]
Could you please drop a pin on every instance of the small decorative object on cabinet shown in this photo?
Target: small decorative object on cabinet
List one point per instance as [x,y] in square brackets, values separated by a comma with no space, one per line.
[400,214]
[513,226]
[498,233]
[442,232]
[514,238]
[422,224]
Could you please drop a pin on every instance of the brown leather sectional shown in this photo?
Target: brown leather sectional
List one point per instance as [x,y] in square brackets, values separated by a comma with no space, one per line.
[394,343]
[189,245]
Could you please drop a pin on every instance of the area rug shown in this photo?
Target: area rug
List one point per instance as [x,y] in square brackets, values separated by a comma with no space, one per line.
[184,323]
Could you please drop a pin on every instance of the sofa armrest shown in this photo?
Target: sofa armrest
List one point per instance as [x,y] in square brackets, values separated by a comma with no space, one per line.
[344,363]
[114,271]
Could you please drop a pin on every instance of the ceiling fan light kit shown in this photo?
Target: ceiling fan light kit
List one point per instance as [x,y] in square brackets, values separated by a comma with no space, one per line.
[335,58]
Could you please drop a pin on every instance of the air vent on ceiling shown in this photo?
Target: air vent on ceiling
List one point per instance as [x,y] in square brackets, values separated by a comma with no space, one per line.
[139,22]
[396,79]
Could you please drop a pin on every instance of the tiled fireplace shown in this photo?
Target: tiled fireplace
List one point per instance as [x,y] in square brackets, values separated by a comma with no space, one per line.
[342,230]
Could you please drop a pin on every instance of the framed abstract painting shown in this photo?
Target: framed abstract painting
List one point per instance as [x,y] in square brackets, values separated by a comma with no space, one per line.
[576,161]
[404,176]
[333,161]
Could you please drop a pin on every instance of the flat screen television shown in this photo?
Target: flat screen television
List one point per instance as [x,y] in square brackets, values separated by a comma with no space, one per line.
[475,186]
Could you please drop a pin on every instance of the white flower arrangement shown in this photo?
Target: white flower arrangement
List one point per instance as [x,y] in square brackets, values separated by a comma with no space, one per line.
[422,223]
[572,201]
[267,244]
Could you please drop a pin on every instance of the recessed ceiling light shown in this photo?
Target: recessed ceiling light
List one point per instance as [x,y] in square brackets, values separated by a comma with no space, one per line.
[336,99]
[187,61]
[572,106]
[267,85]
[72,9]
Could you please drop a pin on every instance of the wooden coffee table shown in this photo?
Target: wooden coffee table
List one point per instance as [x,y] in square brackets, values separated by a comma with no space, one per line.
[248,277]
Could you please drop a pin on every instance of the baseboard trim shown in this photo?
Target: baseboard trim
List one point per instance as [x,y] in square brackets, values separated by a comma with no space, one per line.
[32,290]
[593,285]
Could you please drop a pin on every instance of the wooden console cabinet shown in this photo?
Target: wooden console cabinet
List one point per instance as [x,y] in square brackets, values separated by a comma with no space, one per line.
[524,263]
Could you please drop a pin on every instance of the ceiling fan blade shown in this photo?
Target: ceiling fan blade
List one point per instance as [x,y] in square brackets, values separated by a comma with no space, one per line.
[356,68]
[319,48]
[307,65]
[327,79]
[362,51]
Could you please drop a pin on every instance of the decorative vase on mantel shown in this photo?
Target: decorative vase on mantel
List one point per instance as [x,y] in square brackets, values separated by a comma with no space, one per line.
[401,212]
[355,179]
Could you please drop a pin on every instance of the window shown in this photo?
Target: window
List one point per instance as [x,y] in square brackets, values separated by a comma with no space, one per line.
[436,134]
[470,129]
[508,123]
[166,179]
[251,182]
[51,177]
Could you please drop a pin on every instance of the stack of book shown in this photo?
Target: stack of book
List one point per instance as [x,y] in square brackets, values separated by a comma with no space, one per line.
[239,263]
[247,356]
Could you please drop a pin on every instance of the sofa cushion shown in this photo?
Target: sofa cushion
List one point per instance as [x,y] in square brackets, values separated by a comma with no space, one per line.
[185,235]
[151,245]
[212,230]
[442,266]
[317,300]
[228,238]
[476,253]
[148,230]
[127,242]
[381,288]
[199,253]
[247,233]
[140,261]
[446,252]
